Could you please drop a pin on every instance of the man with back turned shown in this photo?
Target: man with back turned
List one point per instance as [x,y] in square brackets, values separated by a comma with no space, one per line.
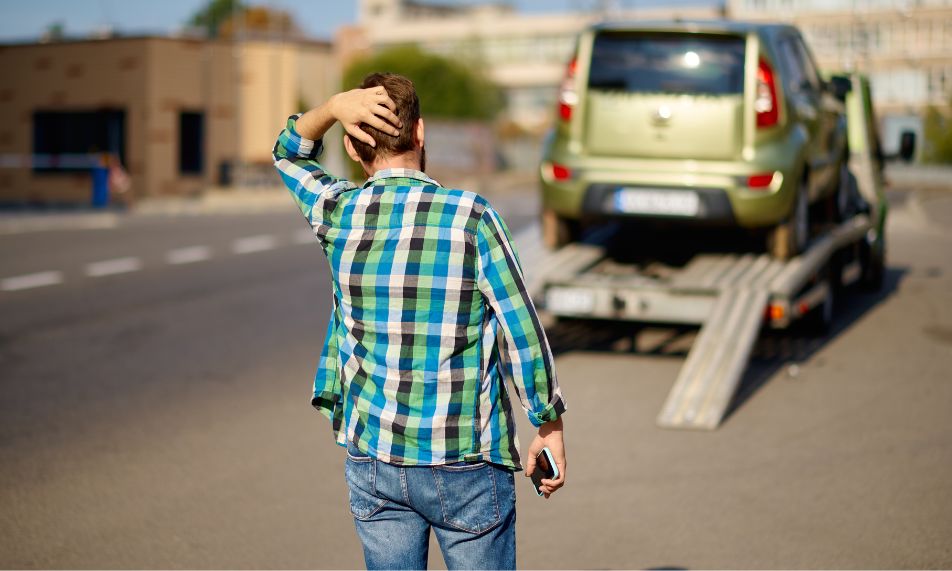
[430,319]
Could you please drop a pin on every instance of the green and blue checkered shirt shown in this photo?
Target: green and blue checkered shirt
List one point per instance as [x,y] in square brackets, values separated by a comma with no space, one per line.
[430,318]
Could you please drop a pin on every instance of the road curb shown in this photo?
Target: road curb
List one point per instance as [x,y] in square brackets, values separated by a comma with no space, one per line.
[210,203]
[22,223]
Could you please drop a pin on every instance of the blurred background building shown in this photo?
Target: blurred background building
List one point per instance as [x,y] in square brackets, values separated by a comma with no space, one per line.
[181,114]
[905,46]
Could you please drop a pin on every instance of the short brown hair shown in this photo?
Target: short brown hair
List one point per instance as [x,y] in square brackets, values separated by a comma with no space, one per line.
[401,91]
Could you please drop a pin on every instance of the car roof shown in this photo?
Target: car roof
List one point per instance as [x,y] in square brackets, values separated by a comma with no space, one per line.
[723,26]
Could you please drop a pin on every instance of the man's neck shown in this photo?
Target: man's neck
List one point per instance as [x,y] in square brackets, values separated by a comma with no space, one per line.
[404,161]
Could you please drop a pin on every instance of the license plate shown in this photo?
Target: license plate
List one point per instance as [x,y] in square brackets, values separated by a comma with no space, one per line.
[569,300]
[657,201]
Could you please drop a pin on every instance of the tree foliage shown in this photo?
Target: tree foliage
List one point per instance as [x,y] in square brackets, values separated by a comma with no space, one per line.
[214,14]
[221,18]
[937,132]
[260,22]
[448,89]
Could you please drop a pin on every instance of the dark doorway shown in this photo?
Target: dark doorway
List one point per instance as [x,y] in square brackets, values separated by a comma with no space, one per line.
[191,142]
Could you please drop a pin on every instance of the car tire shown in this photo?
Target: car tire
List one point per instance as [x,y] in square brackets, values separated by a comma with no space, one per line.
[558,231]
[790,237]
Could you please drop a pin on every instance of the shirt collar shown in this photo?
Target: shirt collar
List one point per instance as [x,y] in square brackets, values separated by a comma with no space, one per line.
[400,173]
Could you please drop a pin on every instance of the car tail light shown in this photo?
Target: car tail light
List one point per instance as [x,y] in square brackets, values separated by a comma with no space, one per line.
[559,172]
[568,97]
[760,181]
[765,102]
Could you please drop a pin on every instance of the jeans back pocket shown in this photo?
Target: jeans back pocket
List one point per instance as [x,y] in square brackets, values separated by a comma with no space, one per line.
[360,473]
[469,496]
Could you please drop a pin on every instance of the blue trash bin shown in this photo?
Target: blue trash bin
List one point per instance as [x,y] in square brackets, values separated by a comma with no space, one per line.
[100,187]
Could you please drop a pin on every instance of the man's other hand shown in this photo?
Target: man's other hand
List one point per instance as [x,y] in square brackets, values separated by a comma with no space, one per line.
[371,106]
[550,435]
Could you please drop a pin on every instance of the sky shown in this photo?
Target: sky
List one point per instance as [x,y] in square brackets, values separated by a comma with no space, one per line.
[21,20]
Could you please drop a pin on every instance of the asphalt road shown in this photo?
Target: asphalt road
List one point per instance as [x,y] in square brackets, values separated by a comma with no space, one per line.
[155,414]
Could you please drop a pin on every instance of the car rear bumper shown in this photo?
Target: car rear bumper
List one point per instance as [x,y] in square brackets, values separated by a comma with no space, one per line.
[724,196]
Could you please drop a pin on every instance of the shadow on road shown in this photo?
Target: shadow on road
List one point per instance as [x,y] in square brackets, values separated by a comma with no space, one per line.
[774,350]
[777,349]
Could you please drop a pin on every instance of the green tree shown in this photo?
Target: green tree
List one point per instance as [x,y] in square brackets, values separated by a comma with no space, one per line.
[937,132]
[260,22]
[214,14]
[221,18]
[448,89]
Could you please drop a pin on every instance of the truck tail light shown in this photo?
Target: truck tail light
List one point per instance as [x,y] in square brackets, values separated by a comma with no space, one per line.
[766,105]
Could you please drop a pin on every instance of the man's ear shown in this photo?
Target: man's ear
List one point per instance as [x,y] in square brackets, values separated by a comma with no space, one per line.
[351,151]
[418,135]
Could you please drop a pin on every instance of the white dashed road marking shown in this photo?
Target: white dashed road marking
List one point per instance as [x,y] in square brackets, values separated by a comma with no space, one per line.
[114,266]
[188,255]
[178,256]
[251,244]
[28,281]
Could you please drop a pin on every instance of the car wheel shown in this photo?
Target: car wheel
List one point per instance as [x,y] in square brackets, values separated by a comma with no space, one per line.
[789,238]
[558,231]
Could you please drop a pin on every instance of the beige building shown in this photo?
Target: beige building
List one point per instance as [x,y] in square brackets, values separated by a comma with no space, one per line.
[182,114]
[904,46]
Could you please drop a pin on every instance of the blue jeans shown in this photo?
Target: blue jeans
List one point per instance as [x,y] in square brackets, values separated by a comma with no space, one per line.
[471,508]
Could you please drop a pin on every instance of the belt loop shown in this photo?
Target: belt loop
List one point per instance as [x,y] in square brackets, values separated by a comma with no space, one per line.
[403,485]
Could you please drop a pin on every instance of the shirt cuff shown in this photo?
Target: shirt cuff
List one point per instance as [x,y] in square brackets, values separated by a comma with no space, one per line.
[551,412]
[306,148]
[326,404]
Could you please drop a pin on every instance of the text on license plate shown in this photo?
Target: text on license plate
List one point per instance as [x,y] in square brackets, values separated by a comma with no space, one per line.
[657,201]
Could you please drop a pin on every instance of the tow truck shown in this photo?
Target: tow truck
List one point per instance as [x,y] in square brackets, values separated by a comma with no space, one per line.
[731,296]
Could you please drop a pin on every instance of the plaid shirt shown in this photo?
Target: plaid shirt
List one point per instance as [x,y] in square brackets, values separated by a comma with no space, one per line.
[430,316]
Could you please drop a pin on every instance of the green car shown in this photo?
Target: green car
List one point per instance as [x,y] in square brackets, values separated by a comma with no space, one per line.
[711,123]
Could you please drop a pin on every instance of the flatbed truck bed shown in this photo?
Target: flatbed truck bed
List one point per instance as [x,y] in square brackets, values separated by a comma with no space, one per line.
[731,296]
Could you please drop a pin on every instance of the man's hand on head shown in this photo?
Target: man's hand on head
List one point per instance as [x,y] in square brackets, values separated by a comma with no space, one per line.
[371,106]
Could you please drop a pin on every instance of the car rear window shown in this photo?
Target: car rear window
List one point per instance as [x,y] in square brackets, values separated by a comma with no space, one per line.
[668,63]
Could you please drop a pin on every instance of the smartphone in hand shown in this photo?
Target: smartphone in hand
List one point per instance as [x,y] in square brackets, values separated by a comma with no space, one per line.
[545,469]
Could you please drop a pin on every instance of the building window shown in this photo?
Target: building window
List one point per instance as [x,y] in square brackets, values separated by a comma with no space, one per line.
[191,142]
[74,141]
